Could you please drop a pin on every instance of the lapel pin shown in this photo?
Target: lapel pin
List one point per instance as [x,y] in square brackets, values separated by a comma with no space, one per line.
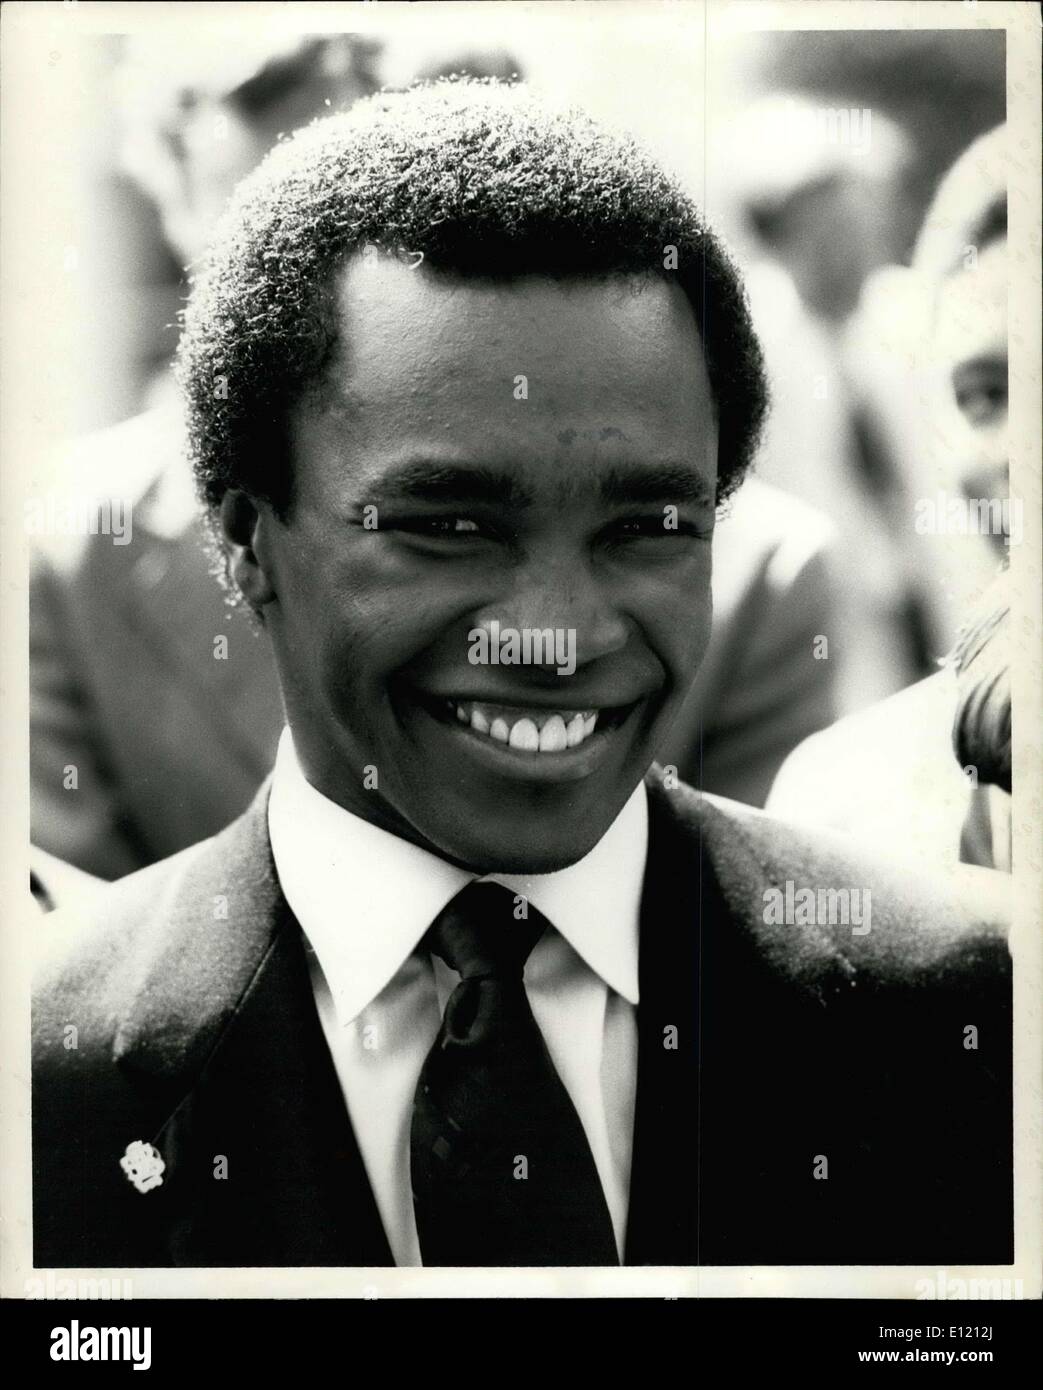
[143,1165]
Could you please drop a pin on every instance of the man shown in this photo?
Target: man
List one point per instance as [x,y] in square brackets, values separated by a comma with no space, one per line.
[468,984]
[162,700]
[888,774]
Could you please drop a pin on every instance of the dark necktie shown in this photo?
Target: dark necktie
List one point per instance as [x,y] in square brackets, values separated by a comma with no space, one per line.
[501,1170]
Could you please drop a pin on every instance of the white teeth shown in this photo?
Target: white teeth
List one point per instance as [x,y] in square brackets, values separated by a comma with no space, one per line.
[552,735]
[559,730]
[525,736]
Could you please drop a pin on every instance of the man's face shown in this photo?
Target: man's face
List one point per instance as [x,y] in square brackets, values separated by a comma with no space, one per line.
[971,328]
[536,454]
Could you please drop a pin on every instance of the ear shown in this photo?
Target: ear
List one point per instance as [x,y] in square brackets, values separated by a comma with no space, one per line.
[244,523]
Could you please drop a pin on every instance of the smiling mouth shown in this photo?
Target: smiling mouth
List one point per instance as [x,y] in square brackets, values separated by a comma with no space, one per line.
[527,728]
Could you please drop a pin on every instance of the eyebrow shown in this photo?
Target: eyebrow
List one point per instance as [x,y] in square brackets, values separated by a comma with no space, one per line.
[673,482]
[422,480]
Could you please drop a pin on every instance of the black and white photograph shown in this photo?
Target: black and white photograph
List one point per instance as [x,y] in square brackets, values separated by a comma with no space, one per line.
[521,657]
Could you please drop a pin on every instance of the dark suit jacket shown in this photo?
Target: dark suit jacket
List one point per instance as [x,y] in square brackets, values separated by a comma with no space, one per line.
[198,1033]
[170,732]
[170,743]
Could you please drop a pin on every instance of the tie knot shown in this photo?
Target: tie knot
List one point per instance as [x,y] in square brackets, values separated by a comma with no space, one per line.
[479,933]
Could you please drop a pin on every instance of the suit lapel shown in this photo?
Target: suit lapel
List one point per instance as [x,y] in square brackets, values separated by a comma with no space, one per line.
[263,1152]
[680,896]
[262,1163]
[712,1182]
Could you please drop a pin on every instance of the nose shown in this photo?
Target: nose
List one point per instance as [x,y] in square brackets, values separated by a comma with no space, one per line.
[562,593]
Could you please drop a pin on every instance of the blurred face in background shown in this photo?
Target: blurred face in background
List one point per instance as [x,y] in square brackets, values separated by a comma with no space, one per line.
[971,338]
[830,234]
[221,133]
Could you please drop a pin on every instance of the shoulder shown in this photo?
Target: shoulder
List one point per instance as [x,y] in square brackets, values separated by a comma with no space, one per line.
[811,900]
[887,773]
[776,514]
[898,725]
[766,530]
[90,957]
[163,953]
[128,478]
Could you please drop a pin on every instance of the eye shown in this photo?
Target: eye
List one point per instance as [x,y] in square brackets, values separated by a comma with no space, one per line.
[980,391]
[982,405]
[453,526]
[641,526]
[658,526]
[447,527]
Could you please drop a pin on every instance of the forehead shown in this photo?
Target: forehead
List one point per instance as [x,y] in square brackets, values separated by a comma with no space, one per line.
[972,308]
[523,371]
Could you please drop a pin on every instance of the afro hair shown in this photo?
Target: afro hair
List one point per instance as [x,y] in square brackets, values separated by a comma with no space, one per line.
[484,179]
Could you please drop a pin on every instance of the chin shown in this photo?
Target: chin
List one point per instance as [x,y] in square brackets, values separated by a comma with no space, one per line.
[511,857]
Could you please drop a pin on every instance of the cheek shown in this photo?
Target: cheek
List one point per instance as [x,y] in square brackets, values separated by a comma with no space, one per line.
[697,622]
[678,614]
[985,457]
[363,633]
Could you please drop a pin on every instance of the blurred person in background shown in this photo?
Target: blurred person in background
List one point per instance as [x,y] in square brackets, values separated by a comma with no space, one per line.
[154,707]
[819,190]
[928,769]
[962,454]
[926,772]
[161,699]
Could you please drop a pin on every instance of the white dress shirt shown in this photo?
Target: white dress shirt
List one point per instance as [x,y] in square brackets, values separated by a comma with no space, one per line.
[364,898]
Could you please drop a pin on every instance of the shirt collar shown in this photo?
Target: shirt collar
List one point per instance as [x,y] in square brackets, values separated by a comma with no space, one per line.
[364,897]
